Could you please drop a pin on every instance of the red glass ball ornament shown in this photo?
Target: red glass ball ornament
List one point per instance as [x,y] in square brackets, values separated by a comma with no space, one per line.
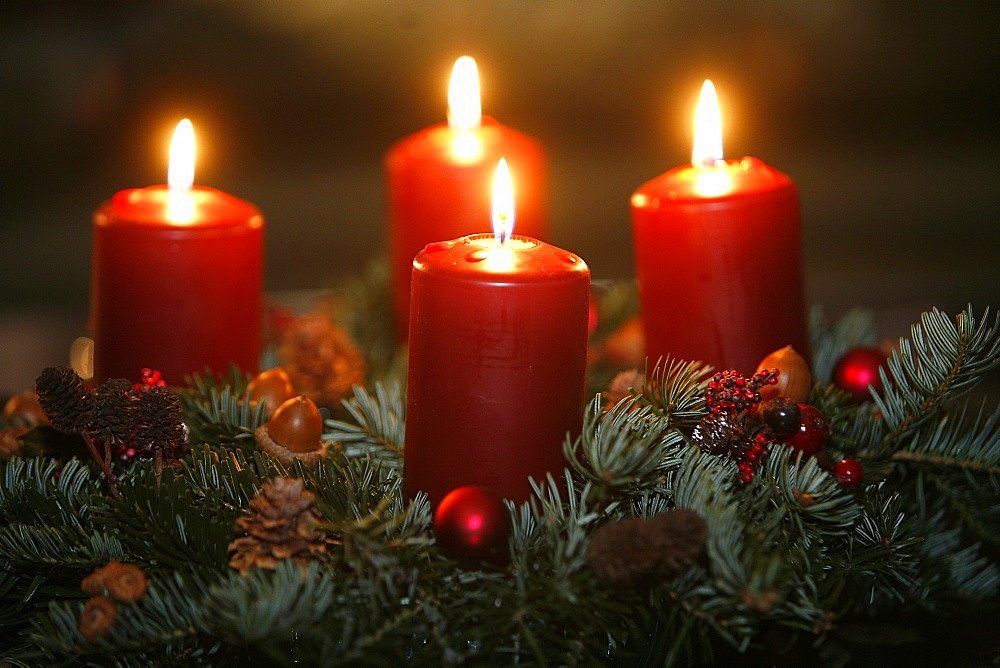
[472,525]
[849,473]
[812,433]
[858,369]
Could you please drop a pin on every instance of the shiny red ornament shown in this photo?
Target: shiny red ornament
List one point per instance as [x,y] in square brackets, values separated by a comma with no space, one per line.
[812,433]
[849,473]
[473,525]
[858,369]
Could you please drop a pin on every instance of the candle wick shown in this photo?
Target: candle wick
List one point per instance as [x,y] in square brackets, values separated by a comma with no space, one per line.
[709,162]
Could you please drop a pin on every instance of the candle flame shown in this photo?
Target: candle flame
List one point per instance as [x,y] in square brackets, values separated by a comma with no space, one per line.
[503,203]
[464,106]
[707,129]
[180,173]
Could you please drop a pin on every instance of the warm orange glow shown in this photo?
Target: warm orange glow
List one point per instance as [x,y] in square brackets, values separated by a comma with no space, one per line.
[503,203]
[464,105]
[180,174]
[707,129]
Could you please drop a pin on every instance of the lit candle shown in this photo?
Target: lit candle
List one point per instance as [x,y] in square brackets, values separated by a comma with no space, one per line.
[497,359]
[176,277]
[719,256]
[439,181]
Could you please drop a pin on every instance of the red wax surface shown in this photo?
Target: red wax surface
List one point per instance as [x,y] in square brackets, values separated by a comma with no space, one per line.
[176,297]
[434,194]
[720,275]
[497,364]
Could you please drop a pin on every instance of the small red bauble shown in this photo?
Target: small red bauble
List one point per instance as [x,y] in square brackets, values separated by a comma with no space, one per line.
[849,473]
[812,433]
[858,369]
[472,525]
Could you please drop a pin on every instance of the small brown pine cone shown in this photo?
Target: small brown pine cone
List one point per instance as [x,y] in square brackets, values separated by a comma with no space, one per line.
[117,404]
[93,584]
[721,434]
[67,402]
[281,525]
[636,552]
[126,583]
[160,424]
[97,617]
[321,359]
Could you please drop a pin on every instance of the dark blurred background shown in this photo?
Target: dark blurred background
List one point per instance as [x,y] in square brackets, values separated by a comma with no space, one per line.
[885,113]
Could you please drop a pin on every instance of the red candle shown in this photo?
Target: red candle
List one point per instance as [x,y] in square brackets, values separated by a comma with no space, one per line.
[719,256]
[439,182]
[176,277]
[497,359]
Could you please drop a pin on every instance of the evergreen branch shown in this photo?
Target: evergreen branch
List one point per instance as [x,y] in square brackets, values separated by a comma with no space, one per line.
[217,413]
[624,449]
[957,442]
[379,424]
[675,390]
[942,361]
[164,625]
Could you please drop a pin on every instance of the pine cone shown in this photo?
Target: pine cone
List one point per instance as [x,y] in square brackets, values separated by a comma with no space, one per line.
[622,385]
[117,406]
[125,583]
[281,525]
[160,424]
[66,401]
[97,617]
[322,361]
[723,435]
[635,552]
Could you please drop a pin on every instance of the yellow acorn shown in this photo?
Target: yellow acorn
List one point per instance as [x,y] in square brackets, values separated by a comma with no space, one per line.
[273,386]
[794,377]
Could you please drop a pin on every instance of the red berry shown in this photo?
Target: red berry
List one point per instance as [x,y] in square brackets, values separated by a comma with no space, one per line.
[849,473]
[812,432]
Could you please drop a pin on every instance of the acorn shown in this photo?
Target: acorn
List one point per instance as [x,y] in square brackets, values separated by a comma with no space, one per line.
[794,377]
[273,387]
[26,408]
[295,431]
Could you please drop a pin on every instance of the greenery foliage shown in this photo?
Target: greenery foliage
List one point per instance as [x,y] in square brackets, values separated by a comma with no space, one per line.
[793,564]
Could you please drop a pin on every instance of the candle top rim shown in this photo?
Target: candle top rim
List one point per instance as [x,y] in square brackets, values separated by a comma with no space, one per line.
[148,207]
[749,177]
[434,141]
[529,260]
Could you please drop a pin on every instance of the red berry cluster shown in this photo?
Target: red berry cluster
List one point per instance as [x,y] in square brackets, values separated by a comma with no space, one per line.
[150,378]
[731,392]
[753,456]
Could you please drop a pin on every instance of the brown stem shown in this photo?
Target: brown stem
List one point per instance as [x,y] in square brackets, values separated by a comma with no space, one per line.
[105,465]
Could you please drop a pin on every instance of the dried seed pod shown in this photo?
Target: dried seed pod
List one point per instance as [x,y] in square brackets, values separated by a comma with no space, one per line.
[794,377]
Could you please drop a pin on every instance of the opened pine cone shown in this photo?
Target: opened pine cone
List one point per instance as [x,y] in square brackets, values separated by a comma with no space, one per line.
[321,359]
[295,431]
[281,525]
